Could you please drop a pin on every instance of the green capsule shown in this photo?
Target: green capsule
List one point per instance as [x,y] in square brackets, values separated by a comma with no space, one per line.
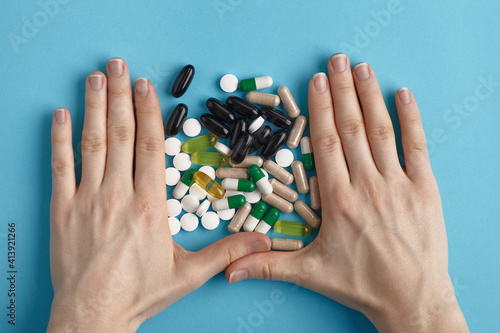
[307,153]
[234,201]
[292,228]
[243,185]
[199,143]
[256,83]
[209,158]
[259,210]
[187,177]
[271,216]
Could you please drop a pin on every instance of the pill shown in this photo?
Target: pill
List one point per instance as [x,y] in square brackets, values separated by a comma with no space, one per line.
[239,218]
[256,124]
[315,197]
[299,173]
[208,170]
[284,158]
[226,214]
[210,221]
[288,101]
[221,111]
[266,174]
[241,147]
[238,173]
[190,203]
[260,138]
[278,172]
[191,127]
[203,208]
[240,127]
[182,161]
[254,196]
[278,202]
[296,132]
[197,191]
[215,126]
[229,202]
[183,81]
[260,180]
[209,158]
[263,98]
[223,149]
[172,176]
[184,184]
[268,221]
[248,161]
[189,222]
[276,117]
[229,83]
[307,152]
[230,193]
[172,146]
[234,184]
[173,207]
[242,107]
[307,214]
[199,143]
[255,216]
[256,83]
[209,185]
[274,144]
[174,225]
[286,244]
[211,198]
[292,228]
[283,191]
[176,120]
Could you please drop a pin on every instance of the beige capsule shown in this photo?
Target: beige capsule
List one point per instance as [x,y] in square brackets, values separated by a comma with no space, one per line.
[283,191]
[314,194]
[278,172]
[238,173]
[248,161]
[299,173]
[288,102]
[263,98]
[239,218]
[286,244]
[307,214]
[278,202]
[296,132]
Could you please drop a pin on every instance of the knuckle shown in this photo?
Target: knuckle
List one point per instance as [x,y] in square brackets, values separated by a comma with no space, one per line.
[326,143]
[380,132]
[266,271]
[93,142]
[120,133]
[324,108]
[60,166]
[150,144]
[231,255]
[94,103]
[351,127]
[119,92]
[343,86]
[343,202]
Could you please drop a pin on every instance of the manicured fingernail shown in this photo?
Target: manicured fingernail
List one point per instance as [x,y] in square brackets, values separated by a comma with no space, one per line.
[404,95]
[60,116]
[319,80]
[259,246]
[95,81]
[362,71]
[141,85]
[115,66]
[339,62]
[238,276]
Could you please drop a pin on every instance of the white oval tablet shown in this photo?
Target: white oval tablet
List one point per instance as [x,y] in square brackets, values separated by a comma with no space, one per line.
[266,174]
[174,207]
[190,203]
[172,176]
[189,222]
[205,205]
[256,124]
[197,191]
[211,198]
[191,127]
[172,146]
[223,149]
[182,161]
[253,197]
[229,83]
[232,193]
[210,221]
[226,214]
[284,158]
[175,225]
[208,170]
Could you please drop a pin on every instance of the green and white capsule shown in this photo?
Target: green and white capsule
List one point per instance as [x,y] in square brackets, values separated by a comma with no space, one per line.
[255,216]
[268,221]
[230,202]
[184,184]
[256,83]
[243,185]
[260,180]
[307,152]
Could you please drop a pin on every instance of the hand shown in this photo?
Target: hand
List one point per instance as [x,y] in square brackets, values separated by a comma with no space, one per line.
[113,261]
[382,246]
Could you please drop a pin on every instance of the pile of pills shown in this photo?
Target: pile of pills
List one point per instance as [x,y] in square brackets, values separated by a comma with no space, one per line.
[245,195]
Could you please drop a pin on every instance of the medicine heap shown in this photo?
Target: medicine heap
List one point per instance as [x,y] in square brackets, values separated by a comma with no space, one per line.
[245,181]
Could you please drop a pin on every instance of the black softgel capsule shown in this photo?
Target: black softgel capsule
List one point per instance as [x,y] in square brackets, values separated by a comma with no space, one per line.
[241,147]
[221,111]
[183,81]
[242,107]
[176,120]
[276,117]
[240,127]
[260,137]
[215,126]
[274,144]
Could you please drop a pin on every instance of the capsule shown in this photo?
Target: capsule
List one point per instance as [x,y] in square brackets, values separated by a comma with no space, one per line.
[292,228]
[209,185]
[263,98]
[278,172]
[199,143]
[241,147]
[221,111]
[238,173]
[260,180]
[234,201]
[283,191]
[184,184]
[276,117]
[286,244]
[288,102]
[255,216]
[242,107]
[248,161]
[243,185]
[183,81]
[239,218]
[256,83]
[239,128]
[307,214]
[209,158]
[176,120]
[256,124]
[307,152]
[260,137]
[215,126]
[274,144]
[296,132]
[315,198]
[299,173]
[268,221]
[278,202]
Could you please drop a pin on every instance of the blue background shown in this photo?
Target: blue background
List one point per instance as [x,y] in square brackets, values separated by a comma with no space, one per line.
[442,50]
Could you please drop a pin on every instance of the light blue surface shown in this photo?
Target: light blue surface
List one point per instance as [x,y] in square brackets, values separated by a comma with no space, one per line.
[442,50]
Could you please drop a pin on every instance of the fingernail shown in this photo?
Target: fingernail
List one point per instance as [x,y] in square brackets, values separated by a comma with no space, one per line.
[339,62]
[141,86]
[404,95]
[115,66]
[362,71]
[60,116]
[320,82]
[95,81]
[259,246]
[238,276]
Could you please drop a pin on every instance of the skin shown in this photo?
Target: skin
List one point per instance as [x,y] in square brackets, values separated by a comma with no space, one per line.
[381,248]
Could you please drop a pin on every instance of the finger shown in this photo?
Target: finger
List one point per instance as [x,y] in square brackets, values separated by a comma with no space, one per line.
[377,121]
[150,156]
[94,130]
[412,136]
[348,116]
[121,124]
[63,164]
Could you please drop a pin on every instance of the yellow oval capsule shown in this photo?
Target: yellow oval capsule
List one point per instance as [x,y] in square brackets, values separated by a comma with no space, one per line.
[208,184]
[292,228]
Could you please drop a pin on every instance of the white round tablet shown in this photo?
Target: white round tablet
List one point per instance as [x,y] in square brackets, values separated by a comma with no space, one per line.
[197,191]
[211,198]
[175,225]
[190,203]
[210,221]
[208,170]
[284,157]
[189,222]
[231,193]
[174,207]
[223,149]
[172,176]
[191,127]
[205,205]
[253,197]
[229,83]
[182,161]
[226,214]
[172,146]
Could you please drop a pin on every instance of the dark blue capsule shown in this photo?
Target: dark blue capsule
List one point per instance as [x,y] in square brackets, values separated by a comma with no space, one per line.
[274,144]
[183,81]
[221,111]
[215,126]
[276,117]
[242,107]
[241,147]
[240,127]
[260,137]
[176,120]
